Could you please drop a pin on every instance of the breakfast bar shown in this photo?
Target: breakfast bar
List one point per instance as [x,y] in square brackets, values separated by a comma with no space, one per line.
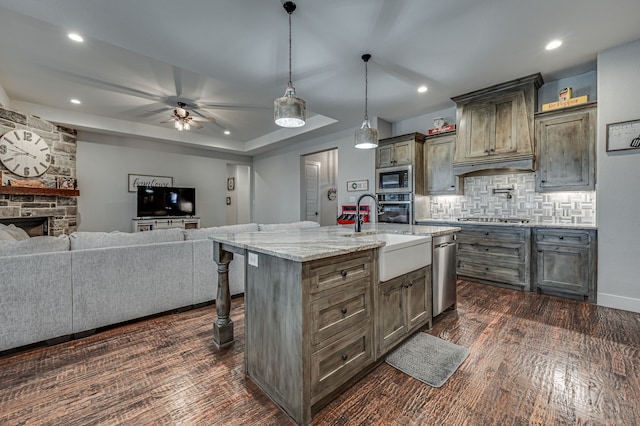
[317,317]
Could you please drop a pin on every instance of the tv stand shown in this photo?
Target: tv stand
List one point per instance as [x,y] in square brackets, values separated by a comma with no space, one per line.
[165,222]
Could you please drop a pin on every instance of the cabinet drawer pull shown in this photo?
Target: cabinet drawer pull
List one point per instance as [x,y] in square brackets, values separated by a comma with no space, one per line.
[486,269]
[486,151]
[492,150]
[543,181]
[345,357]
[344,311]
[486,249]
[486,233]
[411,284]
[562,237]
[343,273]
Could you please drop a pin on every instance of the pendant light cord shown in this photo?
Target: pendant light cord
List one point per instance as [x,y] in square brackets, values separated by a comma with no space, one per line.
[290,80]
[366,90]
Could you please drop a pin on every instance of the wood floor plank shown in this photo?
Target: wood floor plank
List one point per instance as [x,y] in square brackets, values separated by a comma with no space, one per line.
[535,360]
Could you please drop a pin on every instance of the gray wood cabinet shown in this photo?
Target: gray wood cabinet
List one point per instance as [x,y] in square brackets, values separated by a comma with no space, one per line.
[404,150]
[440,178]
[309,327]
[495,126]
[566,141]
[565,262]
[394,154]
[499,255]
[403,305]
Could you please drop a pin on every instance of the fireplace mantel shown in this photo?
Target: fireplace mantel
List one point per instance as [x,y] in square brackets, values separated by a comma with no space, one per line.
[52,192]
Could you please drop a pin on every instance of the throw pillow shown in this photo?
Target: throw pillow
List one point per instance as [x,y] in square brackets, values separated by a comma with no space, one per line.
[18,233]
[5,236]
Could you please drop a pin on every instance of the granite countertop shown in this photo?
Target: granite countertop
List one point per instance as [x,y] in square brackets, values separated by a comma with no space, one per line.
[307,244]
[532,224]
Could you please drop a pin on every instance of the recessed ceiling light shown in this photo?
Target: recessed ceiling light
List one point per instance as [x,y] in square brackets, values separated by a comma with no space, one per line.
[226,132]
[422,89]
[75,37]
[554,44]
[76,101]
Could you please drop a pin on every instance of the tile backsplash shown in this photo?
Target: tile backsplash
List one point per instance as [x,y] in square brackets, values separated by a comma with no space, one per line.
[524,201]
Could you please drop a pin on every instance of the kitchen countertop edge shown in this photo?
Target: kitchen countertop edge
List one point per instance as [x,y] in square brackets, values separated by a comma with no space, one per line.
[513,225]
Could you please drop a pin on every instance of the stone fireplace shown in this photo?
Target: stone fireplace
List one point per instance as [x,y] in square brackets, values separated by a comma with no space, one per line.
[60,212]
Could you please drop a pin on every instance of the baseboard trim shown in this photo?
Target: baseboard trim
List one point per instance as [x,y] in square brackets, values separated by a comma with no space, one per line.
[619,302]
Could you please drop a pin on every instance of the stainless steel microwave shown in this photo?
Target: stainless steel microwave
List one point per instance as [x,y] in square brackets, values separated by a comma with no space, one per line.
[394,179]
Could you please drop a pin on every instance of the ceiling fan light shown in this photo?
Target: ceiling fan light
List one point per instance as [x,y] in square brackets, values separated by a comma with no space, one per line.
[289,110]
[177,125]
[366,137]
[187,126]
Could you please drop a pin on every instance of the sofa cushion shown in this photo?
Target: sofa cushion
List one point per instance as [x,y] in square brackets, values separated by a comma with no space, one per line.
[44,244]
[92,240]
[5,236]
[285,226]
[204,233]
[16,232]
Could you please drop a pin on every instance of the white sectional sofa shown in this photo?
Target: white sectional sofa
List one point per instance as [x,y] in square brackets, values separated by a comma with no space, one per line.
[54,287]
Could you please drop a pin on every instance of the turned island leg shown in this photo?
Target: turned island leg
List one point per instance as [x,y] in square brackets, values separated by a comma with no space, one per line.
[223,327]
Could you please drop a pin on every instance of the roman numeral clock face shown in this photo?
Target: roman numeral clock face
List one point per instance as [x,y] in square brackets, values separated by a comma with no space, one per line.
[24,153]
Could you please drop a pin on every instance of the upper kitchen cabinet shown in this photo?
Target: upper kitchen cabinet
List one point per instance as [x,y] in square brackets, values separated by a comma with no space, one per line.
[404,150]
[439,152]
[566,141]
[398,150]
[496,127]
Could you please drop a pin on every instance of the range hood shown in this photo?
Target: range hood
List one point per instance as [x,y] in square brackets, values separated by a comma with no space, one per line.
[496,128]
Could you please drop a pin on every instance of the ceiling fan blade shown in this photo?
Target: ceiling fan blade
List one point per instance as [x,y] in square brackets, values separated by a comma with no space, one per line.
[177,80]
[209,119]
[168,120]
[194,124]
[232,106]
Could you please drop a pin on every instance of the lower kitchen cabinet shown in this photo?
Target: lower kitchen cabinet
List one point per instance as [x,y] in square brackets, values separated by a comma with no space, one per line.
[496,254]
[403,305]
[565,262]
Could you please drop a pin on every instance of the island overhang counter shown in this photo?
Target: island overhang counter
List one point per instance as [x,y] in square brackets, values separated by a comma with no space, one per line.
[310,298]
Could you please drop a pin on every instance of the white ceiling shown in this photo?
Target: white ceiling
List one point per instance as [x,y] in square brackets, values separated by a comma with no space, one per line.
[140,57]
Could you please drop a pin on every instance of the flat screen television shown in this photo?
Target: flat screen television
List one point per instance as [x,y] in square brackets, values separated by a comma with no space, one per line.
[166,201]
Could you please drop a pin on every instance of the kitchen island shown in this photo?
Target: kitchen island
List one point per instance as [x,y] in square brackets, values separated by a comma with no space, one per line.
[314,314]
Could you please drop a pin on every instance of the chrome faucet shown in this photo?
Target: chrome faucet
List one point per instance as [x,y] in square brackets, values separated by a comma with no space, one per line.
[358,220]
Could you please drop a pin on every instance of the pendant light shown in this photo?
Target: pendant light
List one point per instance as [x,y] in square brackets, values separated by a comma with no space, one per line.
[289,110]
[365,136]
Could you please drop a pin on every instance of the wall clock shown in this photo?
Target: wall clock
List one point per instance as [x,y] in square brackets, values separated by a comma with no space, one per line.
[24,153]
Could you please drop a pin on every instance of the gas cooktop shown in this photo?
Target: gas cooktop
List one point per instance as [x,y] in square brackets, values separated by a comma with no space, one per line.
[494,219]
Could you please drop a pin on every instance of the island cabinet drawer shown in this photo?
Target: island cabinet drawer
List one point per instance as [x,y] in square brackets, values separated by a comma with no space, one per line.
[509,273]
[491,250]
[483,233]
[340,312]
[563,237]
[326,274]
[336,363]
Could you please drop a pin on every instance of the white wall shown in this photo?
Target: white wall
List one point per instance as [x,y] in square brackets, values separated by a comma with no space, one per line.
[277,175]
[103,163]
[618,181]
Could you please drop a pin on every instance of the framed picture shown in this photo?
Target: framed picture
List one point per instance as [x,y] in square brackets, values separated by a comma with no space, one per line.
[358,185]
[66,183]
[145,180]
[231,184]
[624,135]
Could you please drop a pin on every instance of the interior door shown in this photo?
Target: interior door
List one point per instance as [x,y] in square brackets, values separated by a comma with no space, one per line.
[312,185]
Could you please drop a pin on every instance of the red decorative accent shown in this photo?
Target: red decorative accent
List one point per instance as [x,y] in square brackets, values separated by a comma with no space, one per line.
[443,129]
[348,215]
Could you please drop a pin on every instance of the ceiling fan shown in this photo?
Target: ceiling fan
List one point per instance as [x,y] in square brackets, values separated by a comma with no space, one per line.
[184,120]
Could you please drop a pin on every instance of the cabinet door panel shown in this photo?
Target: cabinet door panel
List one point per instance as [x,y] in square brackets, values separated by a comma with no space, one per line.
[391,313]
[402,153]
[563,268]
[565,152]
[479,127]
[440,176]
[385,155]
[418,301]
[505,127]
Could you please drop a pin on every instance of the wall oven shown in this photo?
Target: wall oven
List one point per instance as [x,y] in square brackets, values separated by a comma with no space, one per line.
[396,208]
[394,179]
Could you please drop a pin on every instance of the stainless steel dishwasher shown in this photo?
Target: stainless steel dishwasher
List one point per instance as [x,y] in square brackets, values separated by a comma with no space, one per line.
[444,273]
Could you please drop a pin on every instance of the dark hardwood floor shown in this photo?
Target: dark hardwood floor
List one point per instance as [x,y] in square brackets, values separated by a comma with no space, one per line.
[534,359]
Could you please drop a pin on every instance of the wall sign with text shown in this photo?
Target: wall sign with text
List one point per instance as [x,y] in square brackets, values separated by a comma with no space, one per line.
[145,180]
[357,185]
[623,135]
